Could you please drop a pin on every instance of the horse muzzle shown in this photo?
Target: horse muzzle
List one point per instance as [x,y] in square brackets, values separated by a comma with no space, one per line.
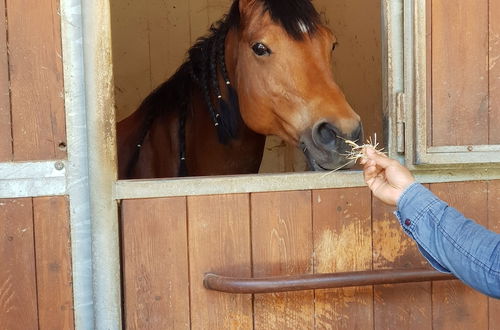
[325,146]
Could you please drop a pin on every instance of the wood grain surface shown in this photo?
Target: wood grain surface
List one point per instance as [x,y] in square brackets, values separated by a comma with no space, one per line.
[36,79]
[5,119]
[282,244]
[155,264]
[455,305]
[219,242]
[343,243]
[460,94]
[53,263]
[18,291]
[398,306]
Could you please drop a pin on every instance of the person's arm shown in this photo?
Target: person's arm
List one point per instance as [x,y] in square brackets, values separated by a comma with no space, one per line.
[449,241]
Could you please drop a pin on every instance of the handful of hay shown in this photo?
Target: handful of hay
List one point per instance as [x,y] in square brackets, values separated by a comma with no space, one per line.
[356,151]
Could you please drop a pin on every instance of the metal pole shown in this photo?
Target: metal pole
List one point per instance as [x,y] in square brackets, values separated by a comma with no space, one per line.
[102,163]
[77,165]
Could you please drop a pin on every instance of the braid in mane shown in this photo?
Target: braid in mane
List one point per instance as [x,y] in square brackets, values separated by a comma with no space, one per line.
[213,68]
[207,60]
[202,74]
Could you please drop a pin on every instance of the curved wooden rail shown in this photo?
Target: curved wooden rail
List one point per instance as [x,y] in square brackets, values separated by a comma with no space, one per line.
[320,281]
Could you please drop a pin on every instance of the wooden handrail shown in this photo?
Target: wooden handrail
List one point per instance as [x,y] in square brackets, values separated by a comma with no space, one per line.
[320,281]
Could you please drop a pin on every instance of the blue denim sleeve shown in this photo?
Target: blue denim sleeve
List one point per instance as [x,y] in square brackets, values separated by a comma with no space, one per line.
[449,241]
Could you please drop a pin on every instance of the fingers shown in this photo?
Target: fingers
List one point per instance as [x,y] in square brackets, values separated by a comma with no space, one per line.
[371,171]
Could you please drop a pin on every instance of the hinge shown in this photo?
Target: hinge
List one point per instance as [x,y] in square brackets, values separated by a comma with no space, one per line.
[400,123]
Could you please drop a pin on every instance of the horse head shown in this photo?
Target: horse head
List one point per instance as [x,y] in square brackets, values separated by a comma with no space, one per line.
[279,61]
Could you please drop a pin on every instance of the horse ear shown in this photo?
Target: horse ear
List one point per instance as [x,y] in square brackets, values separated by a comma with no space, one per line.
[245,5]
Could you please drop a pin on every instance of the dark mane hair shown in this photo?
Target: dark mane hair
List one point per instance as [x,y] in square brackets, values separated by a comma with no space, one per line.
[206,61]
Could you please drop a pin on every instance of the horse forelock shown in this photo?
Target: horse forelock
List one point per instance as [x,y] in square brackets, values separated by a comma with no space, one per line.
[297,17]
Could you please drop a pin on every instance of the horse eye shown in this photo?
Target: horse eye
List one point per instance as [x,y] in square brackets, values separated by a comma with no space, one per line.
[261,50]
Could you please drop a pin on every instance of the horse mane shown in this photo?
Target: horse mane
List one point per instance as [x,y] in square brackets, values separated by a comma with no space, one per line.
[206,60]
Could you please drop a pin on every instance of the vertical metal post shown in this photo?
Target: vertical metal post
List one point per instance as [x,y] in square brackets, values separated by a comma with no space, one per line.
[102,163]
[77,165]
[393,70]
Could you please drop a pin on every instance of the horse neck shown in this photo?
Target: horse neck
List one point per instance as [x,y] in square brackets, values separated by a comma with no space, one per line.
[206,155]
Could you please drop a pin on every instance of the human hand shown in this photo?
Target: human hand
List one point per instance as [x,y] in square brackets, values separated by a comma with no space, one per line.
[385,177]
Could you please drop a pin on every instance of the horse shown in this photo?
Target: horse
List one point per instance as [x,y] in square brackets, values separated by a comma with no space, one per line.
[263,69]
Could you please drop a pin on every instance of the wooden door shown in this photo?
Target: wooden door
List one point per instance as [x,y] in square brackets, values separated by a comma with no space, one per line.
[169,244]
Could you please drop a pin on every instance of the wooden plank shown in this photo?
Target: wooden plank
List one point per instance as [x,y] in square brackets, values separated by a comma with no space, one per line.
[53,263]
[155,265]
[5,120]
[18,299]
[219,242]
[282,245]
[459,72]
[494,76]
[37,95]
[343,242]
[494,225]
[454,304]
[399,306]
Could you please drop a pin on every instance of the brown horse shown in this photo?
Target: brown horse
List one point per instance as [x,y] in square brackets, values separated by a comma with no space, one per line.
[264,69]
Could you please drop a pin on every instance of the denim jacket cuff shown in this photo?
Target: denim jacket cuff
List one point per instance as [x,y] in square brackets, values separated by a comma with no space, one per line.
[414,200]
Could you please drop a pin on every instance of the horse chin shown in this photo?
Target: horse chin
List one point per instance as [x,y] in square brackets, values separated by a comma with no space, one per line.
[325,160]
[339,163]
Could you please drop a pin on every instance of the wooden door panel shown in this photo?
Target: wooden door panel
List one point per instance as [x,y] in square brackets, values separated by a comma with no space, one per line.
[155,267]
[459,72]
[36,79]
[494,225]
[494,67]
[454,304]
[282,244]
[18,296]
[399,306]
[5,118]
[219,242]
[342,243]
[53,263]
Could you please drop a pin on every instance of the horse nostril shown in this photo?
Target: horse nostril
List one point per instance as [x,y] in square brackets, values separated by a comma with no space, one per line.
[325,134]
